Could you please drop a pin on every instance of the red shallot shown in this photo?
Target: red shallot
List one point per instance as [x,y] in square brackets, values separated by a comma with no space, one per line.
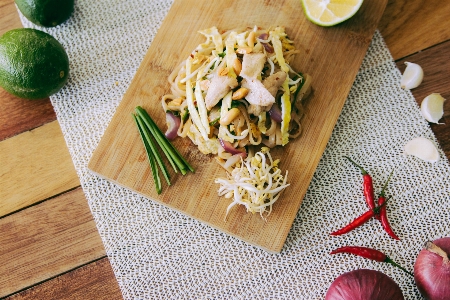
[275,113]
[228,147]
[264,42]
[364,284]
[173,123]
[432,270]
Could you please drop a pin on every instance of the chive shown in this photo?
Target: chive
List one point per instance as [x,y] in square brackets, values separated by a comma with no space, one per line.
[299,87]
[214,122]
[153,149]
[235,103]
[185,115]
[168,149]
[161,139]
[150,156]
[169,158]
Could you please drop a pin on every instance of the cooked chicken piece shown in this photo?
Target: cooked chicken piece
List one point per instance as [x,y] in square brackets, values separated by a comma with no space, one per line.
[257,94]
[252,65]
[218,88]
[273,82]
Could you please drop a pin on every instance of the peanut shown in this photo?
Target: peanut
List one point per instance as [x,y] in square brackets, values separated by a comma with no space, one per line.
[251,39]
[176,102]
[244,50]
[229,116]
[237,66]
[204,84]
[240,93]
[222,71]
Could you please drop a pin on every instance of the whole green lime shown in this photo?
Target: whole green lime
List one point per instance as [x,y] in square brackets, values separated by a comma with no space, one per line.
[47,13]
[33,64]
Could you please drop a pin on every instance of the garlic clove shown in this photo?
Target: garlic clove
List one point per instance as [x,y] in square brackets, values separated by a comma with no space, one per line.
[412,77]
[422,148]
[432,107]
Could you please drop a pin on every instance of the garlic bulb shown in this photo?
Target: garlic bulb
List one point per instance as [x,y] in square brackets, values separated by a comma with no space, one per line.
[422,148]
[412,77]
[432,107]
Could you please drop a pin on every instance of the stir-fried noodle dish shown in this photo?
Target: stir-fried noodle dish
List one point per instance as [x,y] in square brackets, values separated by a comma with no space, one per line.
[236,90]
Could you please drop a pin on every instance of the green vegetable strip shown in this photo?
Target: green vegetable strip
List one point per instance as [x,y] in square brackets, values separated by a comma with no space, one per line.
[154,149]
[164,142]
[175,161]
[163,146]
[151,158]
[170,150]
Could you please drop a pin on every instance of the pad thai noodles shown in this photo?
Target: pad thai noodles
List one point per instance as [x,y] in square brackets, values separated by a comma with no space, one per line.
[236,90]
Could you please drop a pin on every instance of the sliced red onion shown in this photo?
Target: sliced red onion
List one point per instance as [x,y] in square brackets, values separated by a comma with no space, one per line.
[228,147]
[173,123]
[263,36]
[268,47]
[275,113]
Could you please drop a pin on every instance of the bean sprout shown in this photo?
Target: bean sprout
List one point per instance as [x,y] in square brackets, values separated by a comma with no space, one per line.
[255,183]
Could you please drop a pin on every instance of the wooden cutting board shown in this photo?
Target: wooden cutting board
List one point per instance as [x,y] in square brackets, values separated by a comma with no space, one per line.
[332,56]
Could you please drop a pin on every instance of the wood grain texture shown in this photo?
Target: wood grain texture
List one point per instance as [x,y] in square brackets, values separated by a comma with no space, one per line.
[19,115]
[411,26]
[93,281]
[35,165]
[436,68]
[8,16]
[325,52]
[45,240]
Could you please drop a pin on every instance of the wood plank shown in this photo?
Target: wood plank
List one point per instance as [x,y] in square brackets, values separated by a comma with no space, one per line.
[35,165]
[436,68]
[47,239]
[118,159]
[93,281]
[19,115]
[9,16]
[410,26]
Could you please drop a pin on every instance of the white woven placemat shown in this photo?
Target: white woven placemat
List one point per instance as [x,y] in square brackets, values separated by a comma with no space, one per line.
[158,253]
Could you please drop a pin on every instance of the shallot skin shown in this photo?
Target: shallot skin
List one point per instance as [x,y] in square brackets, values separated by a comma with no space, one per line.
[431,275]
[364,284]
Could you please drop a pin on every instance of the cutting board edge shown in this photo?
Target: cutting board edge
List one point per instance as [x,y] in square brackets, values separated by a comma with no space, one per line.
[274,250]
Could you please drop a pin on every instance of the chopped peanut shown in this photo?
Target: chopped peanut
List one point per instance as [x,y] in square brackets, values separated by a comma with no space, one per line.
[251,39]
[244,50]
[176,102]
[229,116]
[237,66]
[240,93]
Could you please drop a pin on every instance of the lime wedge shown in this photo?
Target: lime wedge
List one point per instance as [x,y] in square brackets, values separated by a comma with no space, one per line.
[330,12]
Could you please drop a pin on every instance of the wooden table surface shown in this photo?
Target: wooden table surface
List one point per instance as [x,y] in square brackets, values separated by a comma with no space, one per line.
[49,244]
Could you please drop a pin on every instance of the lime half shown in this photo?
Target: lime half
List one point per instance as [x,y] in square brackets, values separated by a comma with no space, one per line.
[330,12]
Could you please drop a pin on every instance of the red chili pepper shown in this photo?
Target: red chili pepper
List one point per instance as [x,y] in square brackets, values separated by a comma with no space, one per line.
[355,223]
[367,184]
[383,214]
[362,251]
[384,220]
[369,253]
[360,220]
